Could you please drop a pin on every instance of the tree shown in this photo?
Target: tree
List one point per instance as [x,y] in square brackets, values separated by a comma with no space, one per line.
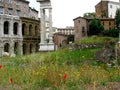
[117,18]
[88,15]
[95,27]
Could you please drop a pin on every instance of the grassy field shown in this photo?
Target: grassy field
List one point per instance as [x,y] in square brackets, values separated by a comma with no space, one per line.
[59,70]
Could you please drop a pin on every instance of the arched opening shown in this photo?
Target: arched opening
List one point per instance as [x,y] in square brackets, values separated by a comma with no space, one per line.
[30,29]
[15,30]
[35,30]
[6,47]
[23,29]
[31,47]
[36,47]
[24,48]
[6,27]
[16,48]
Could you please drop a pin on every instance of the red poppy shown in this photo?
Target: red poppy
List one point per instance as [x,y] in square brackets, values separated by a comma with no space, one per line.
[10,80]
[0,66]
[64,76]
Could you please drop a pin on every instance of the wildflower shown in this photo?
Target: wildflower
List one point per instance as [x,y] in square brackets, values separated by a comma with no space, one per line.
[11,80]
[0,66]
[64,76]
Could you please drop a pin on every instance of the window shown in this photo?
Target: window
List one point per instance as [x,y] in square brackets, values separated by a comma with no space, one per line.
[18,12]
[109,23]
[15,30]
[10,11]
[6,27]
[17,3]
[9,1]
[30,29]
[111,6]
[1,10]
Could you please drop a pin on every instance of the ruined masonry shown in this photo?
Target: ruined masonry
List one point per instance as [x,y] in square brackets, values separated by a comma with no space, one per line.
[44,45]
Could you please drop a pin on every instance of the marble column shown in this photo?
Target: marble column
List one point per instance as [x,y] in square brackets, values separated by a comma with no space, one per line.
[50,26]
[20,49]
[11,28]
[20,29]
[1,27]
[11,48]
[42,12]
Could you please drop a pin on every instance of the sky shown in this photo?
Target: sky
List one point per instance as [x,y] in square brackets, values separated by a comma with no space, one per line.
[64,11]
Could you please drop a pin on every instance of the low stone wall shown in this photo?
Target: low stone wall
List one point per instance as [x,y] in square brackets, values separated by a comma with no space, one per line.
[81,46]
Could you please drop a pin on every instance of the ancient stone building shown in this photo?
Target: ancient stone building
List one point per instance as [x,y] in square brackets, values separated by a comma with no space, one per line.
[81,26]
[106,8]
[66,31]
[19,27]
[31,35]
[10,35]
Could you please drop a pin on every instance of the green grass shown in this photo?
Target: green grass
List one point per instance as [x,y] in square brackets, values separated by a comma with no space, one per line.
[96,40]
[45,71]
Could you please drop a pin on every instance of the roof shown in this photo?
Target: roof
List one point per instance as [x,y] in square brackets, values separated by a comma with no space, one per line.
[93,18]
[25,1]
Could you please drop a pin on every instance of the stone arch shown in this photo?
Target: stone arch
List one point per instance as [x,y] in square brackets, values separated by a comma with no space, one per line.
[23,29]
[36,28]
[24,49]
[6,47]
[6,27]
[16,48]
[15,28]
[30,29]
[36,47]
[31,48]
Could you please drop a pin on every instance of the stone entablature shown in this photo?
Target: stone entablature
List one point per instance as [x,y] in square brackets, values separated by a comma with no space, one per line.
[10,35]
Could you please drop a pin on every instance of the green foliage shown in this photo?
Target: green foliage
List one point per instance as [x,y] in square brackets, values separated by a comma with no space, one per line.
[96,40]
[111,33]
[89,15]
[117,18]
[95,27]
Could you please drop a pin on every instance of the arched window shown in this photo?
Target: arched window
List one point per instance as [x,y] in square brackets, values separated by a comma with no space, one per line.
[16,48]
[6,47]
[6,27]
[23,29]
[24,48]
[36,30]
[30,29]
[31,47]
[15,30]
[36,47]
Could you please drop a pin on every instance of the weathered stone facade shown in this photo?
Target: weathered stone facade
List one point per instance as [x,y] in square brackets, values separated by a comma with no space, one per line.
[66,31]
[17,8]
[18,35]
[10,35]
[31,35]
[60,39]
[81,26]
[106,8]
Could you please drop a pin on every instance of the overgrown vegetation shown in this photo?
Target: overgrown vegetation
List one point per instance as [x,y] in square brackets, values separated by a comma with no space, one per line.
[59,70]
[96,40]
